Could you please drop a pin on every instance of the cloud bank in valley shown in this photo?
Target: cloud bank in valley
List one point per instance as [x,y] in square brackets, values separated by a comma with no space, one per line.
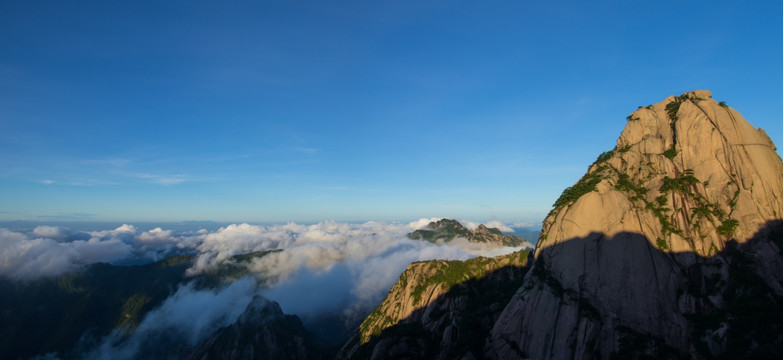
[370,255]
[324,268]
[52,250]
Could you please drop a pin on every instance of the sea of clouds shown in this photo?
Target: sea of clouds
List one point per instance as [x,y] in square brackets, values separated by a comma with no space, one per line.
[328,267]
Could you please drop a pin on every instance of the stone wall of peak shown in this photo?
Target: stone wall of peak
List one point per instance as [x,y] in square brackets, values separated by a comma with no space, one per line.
[683,171]
[650,242]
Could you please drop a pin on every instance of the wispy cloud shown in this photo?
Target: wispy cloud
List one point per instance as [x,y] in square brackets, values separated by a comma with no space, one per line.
[346,188]
[67,216]
[166,180]
[304,150]
[112,170]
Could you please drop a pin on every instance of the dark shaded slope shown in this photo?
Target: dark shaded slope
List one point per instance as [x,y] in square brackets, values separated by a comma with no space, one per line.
[724,306]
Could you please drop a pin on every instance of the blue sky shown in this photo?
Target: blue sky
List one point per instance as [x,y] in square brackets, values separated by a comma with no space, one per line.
[274,111]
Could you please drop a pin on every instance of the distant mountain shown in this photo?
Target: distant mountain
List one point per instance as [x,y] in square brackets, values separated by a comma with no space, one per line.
[447,230]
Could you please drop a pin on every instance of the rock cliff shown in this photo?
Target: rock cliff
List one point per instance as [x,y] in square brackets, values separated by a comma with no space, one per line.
[662,249]
[439,309]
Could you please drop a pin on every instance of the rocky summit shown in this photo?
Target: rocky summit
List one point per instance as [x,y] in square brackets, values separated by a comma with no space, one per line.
[669,246]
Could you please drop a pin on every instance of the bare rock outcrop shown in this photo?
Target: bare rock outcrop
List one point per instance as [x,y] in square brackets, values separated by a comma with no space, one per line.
[655,251]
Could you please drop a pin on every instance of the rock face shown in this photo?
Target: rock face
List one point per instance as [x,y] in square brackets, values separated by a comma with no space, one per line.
[666,246]
[439,309]
[447,230]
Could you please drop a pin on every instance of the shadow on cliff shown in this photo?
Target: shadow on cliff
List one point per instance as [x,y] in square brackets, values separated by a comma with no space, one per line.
[728,305]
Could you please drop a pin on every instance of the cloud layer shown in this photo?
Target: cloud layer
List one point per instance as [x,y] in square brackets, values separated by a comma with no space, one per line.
[325,268]
[372,254]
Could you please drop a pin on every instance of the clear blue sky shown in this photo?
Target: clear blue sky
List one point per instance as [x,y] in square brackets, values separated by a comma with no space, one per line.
[272,111]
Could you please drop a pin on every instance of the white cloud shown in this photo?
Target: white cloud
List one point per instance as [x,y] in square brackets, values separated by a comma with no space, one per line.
[499,225]
[26,257]
[51,232]
[519,225]
[51,250]
[422,223]
[124,231]
[156,236]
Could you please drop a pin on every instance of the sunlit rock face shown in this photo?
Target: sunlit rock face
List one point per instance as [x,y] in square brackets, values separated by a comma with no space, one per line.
[653,251]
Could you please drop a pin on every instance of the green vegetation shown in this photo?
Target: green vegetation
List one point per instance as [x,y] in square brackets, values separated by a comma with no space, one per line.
[702,211]
[585,185]
[671,110]
[604,156]
[129,315]
[673,107]
[670,153]
[727,227]
[625,184]
[723,104]
[661,244]
[680,183]
[631,118]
